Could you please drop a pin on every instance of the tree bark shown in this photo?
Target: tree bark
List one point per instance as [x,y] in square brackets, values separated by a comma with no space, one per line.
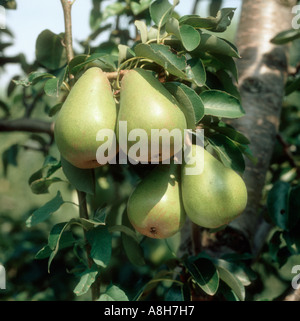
[262,75]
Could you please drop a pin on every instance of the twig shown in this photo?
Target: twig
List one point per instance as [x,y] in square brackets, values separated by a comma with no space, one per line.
[27,125]
[83,213]
[67,6]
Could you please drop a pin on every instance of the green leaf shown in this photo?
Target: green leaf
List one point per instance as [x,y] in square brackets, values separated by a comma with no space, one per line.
[215,45]
[87,278]
[235,269]
[227,63]
[56,235]
[113,293]
[54,238]
[41,186]
[292,86]
[196,72]
[286,36]
[113,9]
[52,87]
[39,181]
[278,203]
[124,53]
[100,240]
[107,61]
[232,281]
[49,50]
[172,27]
[160,12]
[9,157]
[44,212]
[5,108]
[37,76]
[204,273]
[163,56]
[82,179]
[294,206]
[137,8]
[189,102]
[221,104]
[216,24]
[66,240]
[228,152]
[230,132]
[142,28]
[190,37]
[55,109]
[131,246]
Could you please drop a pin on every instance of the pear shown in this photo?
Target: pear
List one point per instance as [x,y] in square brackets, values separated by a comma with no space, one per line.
[88,108]
[214,197]
[155,207]
[146,104]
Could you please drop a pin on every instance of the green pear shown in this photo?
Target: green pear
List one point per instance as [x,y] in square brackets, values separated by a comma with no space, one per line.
[155,207]
[147,105]
[214,197]
[88,108]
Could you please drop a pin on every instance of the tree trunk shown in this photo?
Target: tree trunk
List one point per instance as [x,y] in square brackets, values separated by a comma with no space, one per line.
[262,74]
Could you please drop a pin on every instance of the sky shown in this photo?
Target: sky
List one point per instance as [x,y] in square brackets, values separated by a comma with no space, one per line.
[34,16]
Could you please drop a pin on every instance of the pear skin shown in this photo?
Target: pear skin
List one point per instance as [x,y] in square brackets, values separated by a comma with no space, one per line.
[214,197]
[155,207]
[88,108]
[146,104]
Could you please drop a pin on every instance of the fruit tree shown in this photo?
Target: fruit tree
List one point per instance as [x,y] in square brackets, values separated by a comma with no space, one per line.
[163,161]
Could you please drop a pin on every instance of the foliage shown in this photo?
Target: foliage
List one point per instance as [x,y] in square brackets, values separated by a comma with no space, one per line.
[197,65]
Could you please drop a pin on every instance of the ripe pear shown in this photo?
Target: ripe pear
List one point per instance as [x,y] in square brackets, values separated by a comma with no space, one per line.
[155,206]
[146,104]
[214,197]
[88,108]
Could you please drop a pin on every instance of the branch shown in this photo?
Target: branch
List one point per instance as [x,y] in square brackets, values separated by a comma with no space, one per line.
[83,213]
[27,125]
[67,5]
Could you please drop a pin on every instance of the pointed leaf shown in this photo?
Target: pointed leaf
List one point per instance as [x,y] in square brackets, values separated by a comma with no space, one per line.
[286,36]
[220,104]
[278,203]
[131,246]
[215,45]
[41,186]
[113,293]
[196,72]
[229,153]
[215,24]
[87,278]
[44,212]
[49,50]
[142,27]
[163,56]
[100,240]
[234,283]
[190,103]
[204,273]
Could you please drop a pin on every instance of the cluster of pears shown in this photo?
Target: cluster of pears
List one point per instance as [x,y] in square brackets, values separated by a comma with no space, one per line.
[160,203]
